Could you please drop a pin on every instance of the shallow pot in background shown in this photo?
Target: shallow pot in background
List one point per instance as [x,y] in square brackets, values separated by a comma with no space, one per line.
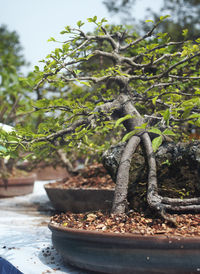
[18,186]
[79,200]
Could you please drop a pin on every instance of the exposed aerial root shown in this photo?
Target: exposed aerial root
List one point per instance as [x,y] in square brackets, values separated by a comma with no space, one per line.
[121,188]
[156,201]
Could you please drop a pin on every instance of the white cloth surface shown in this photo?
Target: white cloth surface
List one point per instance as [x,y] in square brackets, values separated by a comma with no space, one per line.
[25,240]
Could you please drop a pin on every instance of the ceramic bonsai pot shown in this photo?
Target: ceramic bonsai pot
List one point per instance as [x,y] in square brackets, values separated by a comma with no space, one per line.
[126,253]
[17,186]
[79,200]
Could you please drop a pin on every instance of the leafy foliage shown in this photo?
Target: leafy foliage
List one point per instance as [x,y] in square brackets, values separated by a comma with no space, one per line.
[89,73]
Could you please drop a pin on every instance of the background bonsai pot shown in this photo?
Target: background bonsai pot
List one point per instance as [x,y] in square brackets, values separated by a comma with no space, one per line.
[17,186]
[50,173]
[91,189]
[126,253]
[43,171]
[79,200]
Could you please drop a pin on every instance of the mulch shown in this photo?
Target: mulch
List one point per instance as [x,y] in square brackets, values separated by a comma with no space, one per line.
[188,225]
[93,176]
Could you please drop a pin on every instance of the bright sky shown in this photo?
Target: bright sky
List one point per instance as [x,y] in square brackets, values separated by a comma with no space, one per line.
[37,20]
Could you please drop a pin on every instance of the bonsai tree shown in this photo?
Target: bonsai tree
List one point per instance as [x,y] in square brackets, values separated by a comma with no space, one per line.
[138,90]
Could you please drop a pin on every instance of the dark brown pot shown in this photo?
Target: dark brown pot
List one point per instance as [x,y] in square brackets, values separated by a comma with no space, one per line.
[78,200]
[126,253]
[17,186]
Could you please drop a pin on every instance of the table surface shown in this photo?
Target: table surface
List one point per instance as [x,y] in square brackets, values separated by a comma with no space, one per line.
[25,240]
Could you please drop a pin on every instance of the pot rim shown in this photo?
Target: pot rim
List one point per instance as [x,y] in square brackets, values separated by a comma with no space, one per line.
[53,226]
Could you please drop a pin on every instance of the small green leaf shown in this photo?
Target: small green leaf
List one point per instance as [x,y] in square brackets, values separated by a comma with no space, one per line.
[104,20]
[143,126]
[94,19]
[80,23]
[147,21]
[63,32]
[185,32]
[86,84]
[195,115]
[77,71]
[120,120]
[156,143]
[154,100]
[129,135]
[168,132]
[166,115]
[37,68]
[164,17]
[51,39]
[156,131]
[198,122]
[68,29]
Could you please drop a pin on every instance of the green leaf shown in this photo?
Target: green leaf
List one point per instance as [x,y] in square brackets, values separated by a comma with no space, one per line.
[168,132]
[185,32]
[166,115]
[129,135]
[80,23]
[198,122]
[156,131]
[104,20]
[120,120]
[63,32]
[37,68]
[164,17]
[143,126]
[147,21]
[86,84]
[94,19]
[156,143]
[77,71]
[154,100]
[51,39]
[195,115]
[68,29]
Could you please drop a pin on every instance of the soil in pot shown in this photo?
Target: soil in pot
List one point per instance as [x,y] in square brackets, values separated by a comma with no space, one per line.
[188,225]
[17,183]
[91,189]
